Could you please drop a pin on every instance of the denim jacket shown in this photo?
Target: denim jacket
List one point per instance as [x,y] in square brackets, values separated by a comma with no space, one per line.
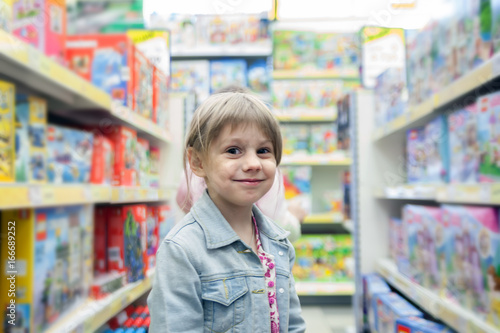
[208,280]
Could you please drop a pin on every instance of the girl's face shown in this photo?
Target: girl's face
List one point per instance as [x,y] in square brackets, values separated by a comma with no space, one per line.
[239,168]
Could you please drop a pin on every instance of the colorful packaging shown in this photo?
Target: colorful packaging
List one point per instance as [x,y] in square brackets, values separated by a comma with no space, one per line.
[227,72]
[495,25]
[6,15]
[488,129]
[42,23]
[160,98]
[142,81]
[100,240]
[142,160]
[191,76]
[492,279]
[7,132]
[154,167]
[344,106]
[390,307]
[397,242]
[166,220]
[107,283]
[152,238]
[323,139]
[338,52]
[416,156]
[293,50]
[437,161]
[391,95]
[105,60]
[419,223]
[31,145]
[478,16]
[373,284]
[155,45]
[124,140]
[297,182]
[259,76]
[127,241]
[296,139]
[69,155]
[463,145]
[102,160]
[419,325]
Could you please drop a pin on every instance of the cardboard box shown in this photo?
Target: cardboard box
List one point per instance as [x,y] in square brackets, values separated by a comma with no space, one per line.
[6,15]
[102,160]
[161,84]
[124,140]
[142,162]
[7,132]
[142,80]
[155,45]
[390,307]
[419,325]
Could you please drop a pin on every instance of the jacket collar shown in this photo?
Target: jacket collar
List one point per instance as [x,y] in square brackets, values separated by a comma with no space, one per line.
[218,232]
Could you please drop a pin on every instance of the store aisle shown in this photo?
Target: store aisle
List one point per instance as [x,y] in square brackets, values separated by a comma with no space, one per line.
[329,319]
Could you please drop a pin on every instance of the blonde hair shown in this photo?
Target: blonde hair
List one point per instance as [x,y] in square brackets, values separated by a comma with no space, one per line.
[233,109]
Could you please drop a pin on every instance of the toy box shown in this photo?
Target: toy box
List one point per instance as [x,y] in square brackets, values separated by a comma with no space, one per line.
[388,308]
[152,238]
[323,259]
[338,52]
[142,160]
[259,76]
[323,139]
[419,64]
[293,50]
[154,167]
[391,94]
[166,220]
[297,182]
[344,106]
[102,160]
[155,45]
[415,154]
[127,241]
[397,241]
[107,283]
[478,16]
[227,72]
[436,151]
[488,129]
[419,223]
[373,284]
[495,25]
[31,145]
[124,140]
[493,282]
[142,82]
[419,325]
[160,98]
[69,155]
[6,15]
[42,23]
[295,139]
[191,76]
[7,132]
[105,60]
[463,145]
[100,240]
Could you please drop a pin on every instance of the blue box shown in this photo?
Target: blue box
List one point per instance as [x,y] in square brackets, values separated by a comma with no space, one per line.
[373,284]
[227,72]
[436,151]
[388,308]
[419,325]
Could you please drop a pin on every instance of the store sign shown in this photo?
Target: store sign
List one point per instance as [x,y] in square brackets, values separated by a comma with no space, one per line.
[382,48]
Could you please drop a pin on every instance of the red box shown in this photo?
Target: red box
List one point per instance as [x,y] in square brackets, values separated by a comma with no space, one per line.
[143,85]
[153,236]
[100,240]
[106,60]
[127,241]
[102,161]
[160,98]
[124,141]
[142,162]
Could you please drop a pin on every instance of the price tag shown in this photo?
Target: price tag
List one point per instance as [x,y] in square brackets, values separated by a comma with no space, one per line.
[35,196]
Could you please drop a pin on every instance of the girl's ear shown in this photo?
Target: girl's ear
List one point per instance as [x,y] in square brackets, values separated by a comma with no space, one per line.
[195,162]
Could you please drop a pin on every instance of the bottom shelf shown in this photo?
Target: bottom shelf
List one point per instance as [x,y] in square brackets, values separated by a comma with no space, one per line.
[93,314]
[324,288]
[455,316]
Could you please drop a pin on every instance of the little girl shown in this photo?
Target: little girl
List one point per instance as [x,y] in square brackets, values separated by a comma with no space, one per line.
[226,267]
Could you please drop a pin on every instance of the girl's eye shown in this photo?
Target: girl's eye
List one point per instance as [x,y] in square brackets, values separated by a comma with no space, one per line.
[264,151]
[233,150]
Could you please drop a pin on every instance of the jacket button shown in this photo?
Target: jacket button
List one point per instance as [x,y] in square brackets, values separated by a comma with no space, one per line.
[281,290]
[281,253]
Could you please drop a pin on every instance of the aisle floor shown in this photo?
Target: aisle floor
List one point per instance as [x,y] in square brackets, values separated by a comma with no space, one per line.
[328,319]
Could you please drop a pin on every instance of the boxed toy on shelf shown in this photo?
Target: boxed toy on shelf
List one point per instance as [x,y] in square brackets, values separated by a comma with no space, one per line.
[323,139]
[107,61]
[191,76]
[419,325]
[259,76]
[100,239]
[391,95]
[488,129]
[124,140]
[345,105]
[7,132]
[127,240]
[31,139]
[437,161]
[142,160]
[388,308]
[296,138]
[227,72]
[373,285]
[152,236]
[161,84]
[293,50]
[154,167]
[339,52]
[54,266]
[6,15]
[142,82]
[103,157]
[42,23]
[297,182]
[415,152]
[166,220]
[69,155]
[155,45]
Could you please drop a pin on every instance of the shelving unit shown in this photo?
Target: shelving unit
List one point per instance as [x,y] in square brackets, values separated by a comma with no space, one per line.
[338,160]
[458,318]
[262,50]
[314,74]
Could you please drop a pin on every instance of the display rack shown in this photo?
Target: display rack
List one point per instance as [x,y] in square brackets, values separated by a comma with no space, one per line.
[339,160]
[93,314]
[455,316]
[262,49]
[314,74]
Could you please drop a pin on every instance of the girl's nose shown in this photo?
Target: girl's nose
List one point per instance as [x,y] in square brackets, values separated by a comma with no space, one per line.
[252,162]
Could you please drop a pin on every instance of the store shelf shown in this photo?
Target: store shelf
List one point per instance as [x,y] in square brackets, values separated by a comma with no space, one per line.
[315,74]
[90,316]
[470,81]
[325,288]
[330,217]
[327,223]
[34,196]
[482,193]
[26,66]
[339,160]
[305,117]
[453,315]
[263,49]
